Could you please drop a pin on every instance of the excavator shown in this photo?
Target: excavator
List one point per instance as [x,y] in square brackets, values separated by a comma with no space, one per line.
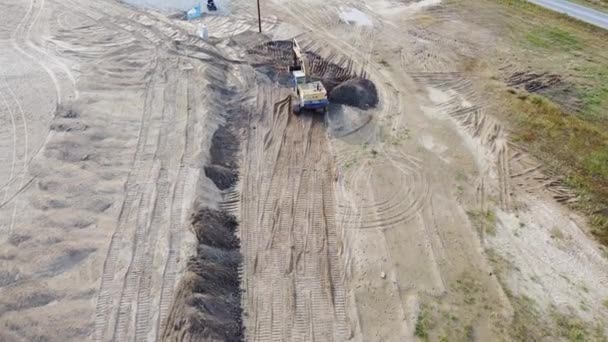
[309,95]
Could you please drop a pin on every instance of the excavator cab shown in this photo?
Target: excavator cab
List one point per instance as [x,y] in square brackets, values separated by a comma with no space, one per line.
[298,78]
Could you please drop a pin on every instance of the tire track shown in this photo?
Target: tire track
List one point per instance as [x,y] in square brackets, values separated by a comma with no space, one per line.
[136,294]
[14,143]
[495,163]
[175,218]
[24,33]
[292,276]
[386,209]
[107,286]
[18,123]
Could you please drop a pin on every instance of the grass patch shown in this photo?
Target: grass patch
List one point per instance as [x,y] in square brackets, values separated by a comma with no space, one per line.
[594,92]
[423,324]
[554,38]
[575,330]
[527,324]
[483,221]
[573,146]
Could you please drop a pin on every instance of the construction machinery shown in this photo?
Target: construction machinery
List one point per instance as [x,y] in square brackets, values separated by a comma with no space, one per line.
[309,95]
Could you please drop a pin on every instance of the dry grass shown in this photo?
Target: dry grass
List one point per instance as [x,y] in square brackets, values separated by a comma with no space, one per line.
[572,140]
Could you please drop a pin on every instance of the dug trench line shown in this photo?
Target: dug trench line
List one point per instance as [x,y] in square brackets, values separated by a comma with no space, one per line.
[207,301]
[291,277]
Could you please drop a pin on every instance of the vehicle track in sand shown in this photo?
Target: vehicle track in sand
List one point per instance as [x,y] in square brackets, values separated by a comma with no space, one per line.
[418,232]
[19,154]
[108,285]
[133,300]
[136,291]
[453,94]
[20,40]
[154,205]
[291,274]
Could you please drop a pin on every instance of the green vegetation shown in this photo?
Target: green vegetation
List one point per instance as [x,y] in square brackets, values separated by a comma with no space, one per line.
[422,325]
[571,329]
[577,147]
[594,92]
[550,37]
[567,127]
[484,221]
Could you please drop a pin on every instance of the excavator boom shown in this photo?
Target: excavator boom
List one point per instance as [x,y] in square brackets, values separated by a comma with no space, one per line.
[298,58]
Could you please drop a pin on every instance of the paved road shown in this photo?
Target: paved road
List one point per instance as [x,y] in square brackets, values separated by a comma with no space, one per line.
[582,13]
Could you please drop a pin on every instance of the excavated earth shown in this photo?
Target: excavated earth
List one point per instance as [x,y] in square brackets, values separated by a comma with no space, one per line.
[156,187]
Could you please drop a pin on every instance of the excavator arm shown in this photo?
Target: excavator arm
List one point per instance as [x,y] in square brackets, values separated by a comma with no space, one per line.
[298,58]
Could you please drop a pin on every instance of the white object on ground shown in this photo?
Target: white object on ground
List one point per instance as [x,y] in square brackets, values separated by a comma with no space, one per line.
[356,17]
[202,31]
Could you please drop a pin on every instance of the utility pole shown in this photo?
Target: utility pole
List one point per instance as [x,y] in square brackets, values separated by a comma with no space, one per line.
[259,18]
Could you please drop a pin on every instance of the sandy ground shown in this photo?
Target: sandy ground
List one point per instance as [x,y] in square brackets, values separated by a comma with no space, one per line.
[350,228]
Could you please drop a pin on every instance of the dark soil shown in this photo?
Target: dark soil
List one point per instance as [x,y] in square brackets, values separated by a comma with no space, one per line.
[223,170]
[356,92]
[224,148]
[221,176]
[274,57]
[533,82]
[552,86]
[208,300]
[216,229]
[68,111]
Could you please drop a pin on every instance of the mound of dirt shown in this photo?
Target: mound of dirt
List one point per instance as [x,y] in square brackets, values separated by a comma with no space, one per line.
[223,170]
[272,59]
[207,305]
[215,228]
[357,92]
[224,148]
[221,176]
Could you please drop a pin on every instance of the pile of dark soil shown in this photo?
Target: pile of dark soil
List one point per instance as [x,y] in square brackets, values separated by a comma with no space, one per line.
[343,83]
[224,147]
[278,55]
[207,305]
[223,170]
[356,92]
[221,176]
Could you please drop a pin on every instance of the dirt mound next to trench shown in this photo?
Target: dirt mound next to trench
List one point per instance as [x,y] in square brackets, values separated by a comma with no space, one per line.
[207,304]
[223,170]
[356,92]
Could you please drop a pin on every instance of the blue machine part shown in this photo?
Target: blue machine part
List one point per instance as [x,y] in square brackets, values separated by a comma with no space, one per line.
[194,13]
[316,104]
